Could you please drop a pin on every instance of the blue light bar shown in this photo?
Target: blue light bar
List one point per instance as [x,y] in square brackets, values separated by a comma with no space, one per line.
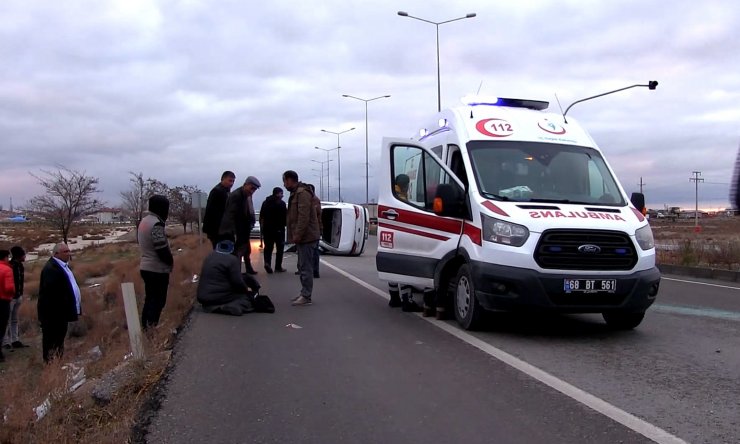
[504,101]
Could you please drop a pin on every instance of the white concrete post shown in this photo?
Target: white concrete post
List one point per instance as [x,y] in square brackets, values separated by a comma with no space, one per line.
[132,319]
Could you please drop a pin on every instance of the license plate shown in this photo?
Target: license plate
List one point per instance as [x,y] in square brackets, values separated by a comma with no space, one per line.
[589,285]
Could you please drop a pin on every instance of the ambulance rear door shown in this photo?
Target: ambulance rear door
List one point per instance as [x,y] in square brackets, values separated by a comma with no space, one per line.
[412,239]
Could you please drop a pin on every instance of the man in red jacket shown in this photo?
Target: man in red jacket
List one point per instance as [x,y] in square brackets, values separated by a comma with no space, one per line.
[7,291]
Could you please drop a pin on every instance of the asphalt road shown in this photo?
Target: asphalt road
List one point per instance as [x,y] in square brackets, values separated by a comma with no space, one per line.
[357,371]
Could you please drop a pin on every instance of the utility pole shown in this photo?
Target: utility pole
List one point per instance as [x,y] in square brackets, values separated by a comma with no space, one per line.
[641,184]
[696,179]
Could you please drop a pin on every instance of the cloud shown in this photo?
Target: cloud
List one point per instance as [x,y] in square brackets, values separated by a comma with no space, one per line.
[182,90]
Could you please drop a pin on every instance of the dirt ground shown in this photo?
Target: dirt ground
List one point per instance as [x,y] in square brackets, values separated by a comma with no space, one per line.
[75,417]
[710,229]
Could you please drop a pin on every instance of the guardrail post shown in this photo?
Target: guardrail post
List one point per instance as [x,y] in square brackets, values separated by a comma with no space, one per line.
[132,319]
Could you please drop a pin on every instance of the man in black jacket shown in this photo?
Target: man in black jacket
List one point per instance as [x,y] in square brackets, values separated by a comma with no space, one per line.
[222,288]
[272,226]
[239,219]
[216,206]
[59,302]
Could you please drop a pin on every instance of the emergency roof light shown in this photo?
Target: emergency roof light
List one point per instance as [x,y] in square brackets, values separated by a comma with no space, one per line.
[475,100]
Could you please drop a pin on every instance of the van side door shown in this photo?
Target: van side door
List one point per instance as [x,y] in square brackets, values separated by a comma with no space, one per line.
[412,239]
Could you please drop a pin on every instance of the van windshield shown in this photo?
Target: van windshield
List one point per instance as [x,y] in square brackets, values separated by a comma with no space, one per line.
[542,172]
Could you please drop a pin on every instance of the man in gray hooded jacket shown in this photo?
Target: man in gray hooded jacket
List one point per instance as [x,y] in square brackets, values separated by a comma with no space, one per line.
[156,259]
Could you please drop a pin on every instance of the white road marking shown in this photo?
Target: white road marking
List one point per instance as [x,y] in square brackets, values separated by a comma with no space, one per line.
[700,283]
[698,311]
[628,420]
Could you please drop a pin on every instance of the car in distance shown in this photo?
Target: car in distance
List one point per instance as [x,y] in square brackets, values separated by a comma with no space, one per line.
[255,233]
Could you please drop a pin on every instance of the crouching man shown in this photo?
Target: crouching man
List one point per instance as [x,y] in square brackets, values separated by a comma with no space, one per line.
[222,288]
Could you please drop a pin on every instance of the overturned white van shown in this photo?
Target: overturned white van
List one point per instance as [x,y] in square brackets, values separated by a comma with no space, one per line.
[345,228]
[499,205]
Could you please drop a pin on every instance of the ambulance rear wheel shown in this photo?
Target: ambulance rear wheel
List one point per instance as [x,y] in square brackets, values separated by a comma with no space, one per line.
[468,312]
[621,320]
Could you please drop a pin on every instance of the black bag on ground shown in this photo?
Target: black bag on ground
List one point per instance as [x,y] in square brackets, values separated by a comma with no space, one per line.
[263,304]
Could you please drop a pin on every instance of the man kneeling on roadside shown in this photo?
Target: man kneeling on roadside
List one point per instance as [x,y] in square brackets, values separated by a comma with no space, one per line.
[222,288]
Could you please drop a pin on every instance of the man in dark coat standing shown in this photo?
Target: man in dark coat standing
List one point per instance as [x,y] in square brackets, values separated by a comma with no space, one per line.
[239,219]
[272,226]
[216,206]
[59,302]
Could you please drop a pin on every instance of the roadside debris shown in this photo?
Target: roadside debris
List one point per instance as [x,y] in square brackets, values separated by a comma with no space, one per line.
[42,409]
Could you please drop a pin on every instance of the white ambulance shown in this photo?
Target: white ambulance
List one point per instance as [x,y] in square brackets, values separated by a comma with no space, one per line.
[498,205]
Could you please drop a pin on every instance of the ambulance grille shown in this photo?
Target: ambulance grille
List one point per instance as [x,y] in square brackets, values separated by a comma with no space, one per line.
[585,250]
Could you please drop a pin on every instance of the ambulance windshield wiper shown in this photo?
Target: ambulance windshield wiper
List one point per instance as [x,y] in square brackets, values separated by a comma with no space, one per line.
[565,201]
[494,196]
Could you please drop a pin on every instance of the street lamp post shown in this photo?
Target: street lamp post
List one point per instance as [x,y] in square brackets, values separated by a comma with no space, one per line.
[320,173]
[436,24]
[367,162]
[321,177]
[339,159]
[321,183]
[328,188]
[651,85]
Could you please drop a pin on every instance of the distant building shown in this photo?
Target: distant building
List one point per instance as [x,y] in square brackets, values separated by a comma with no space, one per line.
[691,214]
[107,216]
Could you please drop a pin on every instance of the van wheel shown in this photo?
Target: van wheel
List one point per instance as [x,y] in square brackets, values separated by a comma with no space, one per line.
[468,312]
[621,320]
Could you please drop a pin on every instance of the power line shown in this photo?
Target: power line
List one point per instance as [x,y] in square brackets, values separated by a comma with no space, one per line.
[696,179]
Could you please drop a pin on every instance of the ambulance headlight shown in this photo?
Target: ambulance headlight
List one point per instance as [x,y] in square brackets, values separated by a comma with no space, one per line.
[644,237]
[501,232]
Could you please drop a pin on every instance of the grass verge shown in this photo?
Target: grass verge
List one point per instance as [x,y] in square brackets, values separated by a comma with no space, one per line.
[75,416]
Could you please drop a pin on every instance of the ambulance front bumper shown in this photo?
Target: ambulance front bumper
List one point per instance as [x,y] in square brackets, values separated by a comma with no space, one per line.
[502,288]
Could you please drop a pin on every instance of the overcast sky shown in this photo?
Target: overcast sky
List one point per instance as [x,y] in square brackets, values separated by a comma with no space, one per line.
[182,90]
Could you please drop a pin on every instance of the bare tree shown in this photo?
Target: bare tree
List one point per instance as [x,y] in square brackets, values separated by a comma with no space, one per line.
[135,199]
[68,196]
[181,205]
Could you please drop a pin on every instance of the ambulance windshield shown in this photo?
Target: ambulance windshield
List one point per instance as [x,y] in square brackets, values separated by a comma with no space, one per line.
[542,172]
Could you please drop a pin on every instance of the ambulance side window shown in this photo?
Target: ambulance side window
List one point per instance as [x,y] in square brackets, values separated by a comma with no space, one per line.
[456,164]
[417,174]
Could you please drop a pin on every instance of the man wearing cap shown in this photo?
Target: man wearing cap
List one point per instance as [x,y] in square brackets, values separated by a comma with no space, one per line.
[239,219]
[222,288]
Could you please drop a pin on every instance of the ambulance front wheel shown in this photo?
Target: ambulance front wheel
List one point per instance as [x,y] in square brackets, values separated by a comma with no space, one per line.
[468,312]
[621,320]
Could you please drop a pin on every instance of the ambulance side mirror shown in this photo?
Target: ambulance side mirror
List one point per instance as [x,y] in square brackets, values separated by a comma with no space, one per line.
[638,200]
[448,201]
